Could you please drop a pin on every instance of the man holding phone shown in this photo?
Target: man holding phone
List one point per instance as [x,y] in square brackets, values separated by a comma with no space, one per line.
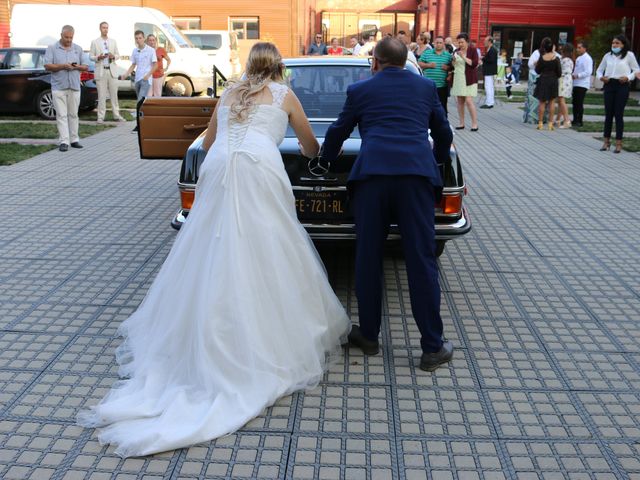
[64,60]
[104,51]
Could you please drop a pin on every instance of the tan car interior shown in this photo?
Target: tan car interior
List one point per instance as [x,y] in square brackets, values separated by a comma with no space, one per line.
[168,125]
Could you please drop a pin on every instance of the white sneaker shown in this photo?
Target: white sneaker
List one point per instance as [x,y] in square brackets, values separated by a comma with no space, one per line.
[120,119]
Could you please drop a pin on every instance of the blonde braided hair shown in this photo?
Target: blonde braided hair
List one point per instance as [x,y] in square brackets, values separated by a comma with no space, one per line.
[264,65]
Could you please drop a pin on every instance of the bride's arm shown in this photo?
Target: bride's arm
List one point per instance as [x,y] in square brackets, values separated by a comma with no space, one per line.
[210,136]
[300,124]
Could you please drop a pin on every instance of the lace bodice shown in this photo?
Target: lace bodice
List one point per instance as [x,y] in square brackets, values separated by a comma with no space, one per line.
[268,120]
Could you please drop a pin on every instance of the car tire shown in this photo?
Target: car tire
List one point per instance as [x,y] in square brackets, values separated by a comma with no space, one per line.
[44,105]
[440,247]
[178,86]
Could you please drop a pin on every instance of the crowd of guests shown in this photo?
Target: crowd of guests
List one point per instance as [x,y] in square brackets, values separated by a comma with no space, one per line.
[64,59]
[556,75]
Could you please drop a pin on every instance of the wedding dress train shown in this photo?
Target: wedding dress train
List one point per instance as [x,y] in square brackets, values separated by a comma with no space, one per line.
[241,312]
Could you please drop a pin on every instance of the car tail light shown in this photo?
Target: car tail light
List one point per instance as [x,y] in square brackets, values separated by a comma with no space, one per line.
[450,205]
[84,76]
[186,198]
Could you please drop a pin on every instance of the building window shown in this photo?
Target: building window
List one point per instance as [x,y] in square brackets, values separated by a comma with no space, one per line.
[247,28]
[187,23]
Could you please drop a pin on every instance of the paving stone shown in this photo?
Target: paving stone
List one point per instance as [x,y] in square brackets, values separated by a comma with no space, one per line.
[614,415]
[597,371]
[28,351]
[326,456]
[56,318]
[348,409]
[457,373]
[241,455]
[355,367]
[529,415]
[559,460]
[468,458]
[442,413]
[516,370]
[59,396]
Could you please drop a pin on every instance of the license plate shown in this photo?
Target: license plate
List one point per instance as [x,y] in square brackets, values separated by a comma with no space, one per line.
[323,205]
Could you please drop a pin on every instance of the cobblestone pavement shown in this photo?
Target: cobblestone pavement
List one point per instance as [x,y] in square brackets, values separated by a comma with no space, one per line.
[542,301]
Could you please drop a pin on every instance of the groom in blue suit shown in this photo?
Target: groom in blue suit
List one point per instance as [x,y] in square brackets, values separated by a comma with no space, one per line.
[395,179]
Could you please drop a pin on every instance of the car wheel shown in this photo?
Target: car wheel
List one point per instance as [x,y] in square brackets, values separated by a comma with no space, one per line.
[178,87]
[440,247]
[44,105]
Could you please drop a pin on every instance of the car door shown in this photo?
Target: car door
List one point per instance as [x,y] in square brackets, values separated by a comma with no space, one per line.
[22,79]
[168,125]
[5,56]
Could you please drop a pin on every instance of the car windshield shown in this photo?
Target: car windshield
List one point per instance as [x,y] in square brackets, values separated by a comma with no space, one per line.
[206,41]
[177,36]
[322,89]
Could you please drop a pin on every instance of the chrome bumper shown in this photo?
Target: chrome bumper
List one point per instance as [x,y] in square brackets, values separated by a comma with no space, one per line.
[444,231]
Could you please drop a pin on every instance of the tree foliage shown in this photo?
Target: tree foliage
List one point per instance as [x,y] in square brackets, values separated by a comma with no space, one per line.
[601,32]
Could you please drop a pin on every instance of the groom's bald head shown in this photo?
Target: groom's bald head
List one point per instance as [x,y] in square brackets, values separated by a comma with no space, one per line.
[390,52]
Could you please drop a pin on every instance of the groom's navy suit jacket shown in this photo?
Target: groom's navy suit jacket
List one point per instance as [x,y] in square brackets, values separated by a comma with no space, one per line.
[393,110]
[395,179]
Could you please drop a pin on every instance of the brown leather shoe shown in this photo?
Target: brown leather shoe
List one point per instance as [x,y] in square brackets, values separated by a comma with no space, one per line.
[430,361]
[368,347]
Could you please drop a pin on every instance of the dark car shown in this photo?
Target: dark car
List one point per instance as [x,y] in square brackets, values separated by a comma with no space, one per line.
[25,86]
[167,127]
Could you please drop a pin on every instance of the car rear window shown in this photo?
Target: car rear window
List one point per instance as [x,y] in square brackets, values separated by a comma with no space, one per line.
[322,89]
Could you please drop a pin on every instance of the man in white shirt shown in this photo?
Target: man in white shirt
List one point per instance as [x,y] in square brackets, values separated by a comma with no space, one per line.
[145,62]
[581,82]
[404,38]
[104,51]
[355,46]
[367,48]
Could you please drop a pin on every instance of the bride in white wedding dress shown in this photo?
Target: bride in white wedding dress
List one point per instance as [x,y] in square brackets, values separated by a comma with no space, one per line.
[241,312]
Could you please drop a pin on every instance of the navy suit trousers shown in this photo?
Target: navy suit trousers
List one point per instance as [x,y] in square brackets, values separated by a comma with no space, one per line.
[408,201]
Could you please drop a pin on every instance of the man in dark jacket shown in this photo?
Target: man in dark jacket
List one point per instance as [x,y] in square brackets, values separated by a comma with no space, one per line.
[489,70]
[318,47]
[395,179]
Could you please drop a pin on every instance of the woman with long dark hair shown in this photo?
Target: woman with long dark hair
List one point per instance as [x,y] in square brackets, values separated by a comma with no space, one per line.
[465,80]
[549,69]
[616,70]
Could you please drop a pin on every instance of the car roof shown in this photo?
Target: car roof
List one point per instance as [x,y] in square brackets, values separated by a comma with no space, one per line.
[327,60]
[23,49]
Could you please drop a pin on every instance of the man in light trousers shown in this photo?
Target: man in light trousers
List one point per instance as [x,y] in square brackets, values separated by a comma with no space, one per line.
[104,51]
[64,60]
[145,62]
[489,70]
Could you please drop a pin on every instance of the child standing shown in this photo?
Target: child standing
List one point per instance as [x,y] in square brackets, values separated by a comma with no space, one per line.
[508,81]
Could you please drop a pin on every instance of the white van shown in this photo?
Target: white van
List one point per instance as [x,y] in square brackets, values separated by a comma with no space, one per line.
[36,25]
[221,46]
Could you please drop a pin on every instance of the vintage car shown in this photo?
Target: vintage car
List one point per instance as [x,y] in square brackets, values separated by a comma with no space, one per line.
[168,126]
[25,86]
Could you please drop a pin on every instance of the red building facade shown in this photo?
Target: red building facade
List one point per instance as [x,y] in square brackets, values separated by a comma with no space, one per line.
[519,25]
